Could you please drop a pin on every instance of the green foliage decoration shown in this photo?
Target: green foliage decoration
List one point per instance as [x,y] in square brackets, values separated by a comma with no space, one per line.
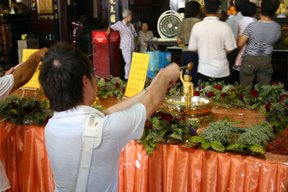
[27,111]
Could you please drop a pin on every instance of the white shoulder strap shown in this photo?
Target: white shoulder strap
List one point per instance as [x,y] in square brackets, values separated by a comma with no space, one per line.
[92,137]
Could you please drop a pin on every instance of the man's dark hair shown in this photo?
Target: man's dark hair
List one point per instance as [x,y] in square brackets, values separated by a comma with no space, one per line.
[269,7]
[212,6]
[239,5]
[192,9]
[61,75]
[249,9]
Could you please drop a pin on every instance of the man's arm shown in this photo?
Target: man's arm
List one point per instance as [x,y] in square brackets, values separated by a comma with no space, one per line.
[242,40]
[23,73]
[155,94]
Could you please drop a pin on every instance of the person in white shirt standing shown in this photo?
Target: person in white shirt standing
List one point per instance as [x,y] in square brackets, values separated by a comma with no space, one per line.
[212,39]
[249,12]
[68,80]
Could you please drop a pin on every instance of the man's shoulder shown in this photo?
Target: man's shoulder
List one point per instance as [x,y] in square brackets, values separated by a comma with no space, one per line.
[234,18]
[215,22]
[80,110]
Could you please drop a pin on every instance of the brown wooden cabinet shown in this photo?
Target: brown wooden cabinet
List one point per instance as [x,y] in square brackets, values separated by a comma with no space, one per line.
[5,43]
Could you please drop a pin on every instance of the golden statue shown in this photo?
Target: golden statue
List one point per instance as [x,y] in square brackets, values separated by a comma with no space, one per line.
[188,86]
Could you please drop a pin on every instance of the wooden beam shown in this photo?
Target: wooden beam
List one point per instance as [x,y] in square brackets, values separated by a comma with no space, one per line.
[63,21]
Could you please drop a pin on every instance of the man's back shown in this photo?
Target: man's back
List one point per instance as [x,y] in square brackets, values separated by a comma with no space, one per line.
[262,36]
[212,38]
[63,135]
[233,22]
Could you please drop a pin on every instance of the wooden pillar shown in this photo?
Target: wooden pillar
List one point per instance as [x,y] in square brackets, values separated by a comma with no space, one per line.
[61,21]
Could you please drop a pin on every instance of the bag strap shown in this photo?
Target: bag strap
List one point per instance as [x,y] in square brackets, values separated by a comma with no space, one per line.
[92,137]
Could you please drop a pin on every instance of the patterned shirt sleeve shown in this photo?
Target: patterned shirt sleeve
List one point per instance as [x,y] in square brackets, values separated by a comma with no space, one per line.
[116,26]
[6,84]
[247,31]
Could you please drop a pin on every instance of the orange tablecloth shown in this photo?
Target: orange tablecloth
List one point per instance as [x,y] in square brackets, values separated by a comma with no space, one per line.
[173,168]
[23,154]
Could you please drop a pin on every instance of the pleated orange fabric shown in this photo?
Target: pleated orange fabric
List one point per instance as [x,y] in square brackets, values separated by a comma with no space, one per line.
[173,168]
[24,157]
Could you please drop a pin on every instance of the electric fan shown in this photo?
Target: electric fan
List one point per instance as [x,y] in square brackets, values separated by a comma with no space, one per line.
[167,25]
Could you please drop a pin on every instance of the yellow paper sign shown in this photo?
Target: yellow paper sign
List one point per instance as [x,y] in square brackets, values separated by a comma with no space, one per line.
[137,74]
[33,83]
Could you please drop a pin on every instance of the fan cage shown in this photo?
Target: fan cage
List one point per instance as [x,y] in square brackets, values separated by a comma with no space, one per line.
[168,24]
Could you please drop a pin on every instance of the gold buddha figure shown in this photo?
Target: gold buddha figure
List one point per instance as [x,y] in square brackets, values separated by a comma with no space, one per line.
[188,86]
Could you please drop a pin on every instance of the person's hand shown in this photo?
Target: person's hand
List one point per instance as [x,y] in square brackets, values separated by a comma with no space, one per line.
[42,51]
[173,70]
[10,71]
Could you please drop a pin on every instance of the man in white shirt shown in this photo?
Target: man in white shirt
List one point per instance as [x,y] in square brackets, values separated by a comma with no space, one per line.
[212,39]
[12,80]
[68,80]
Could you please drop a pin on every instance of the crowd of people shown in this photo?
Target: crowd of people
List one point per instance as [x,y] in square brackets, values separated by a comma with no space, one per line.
[215,46]
[213,39]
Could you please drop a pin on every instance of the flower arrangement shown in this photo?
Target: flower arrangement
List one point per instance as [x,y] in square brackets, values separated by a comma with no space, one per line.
[25,111]
[234,96]
[224,136]
[272,100]
[277,113]
[109,87]
[163,127]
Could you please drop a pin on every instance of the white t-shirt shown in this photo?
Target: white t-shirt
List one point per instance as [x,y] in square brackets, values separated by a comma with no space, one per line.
[233,22]
[211,38]
[6,84]
[4,182]
[63,137]
[244,22]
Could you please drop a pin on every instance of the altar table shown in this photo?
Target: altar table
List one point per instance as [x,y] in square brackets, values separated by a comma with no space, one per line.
[23,154]
[171,168]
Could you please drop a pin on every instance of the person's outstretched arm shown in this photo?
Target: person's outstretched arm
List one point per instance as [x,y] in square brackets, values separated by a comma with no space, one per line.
[153,97]
[23,72]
